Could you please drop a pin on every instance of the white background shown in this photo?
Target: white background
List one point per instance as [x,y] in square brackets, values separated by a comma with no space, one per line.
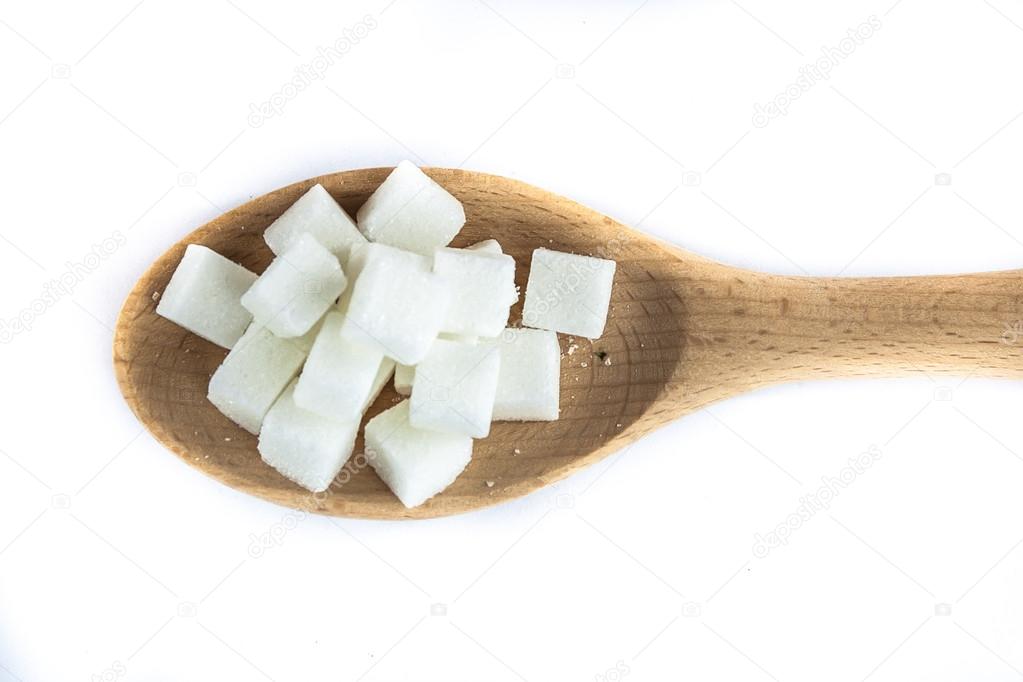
[117,561]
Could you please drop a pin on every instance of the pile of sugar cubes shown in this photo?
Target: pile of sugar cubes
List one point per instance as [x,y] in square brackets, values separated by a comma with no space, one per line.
[345,305]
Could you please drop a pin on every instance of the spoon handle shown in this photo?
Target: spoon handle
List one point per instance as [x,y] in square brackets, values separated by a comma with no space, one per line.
[743,330]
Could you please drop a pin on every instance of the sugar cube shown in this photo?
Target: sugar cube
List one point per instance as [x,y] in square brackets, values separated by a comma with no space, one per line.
[568,293]
[415,464]
[338,376]
[254,373]
[530,375]
[404,375]
[482,290]
[384,373]
[296,289]
[204,296]
[455,387]
[315,213]
[411,211]
[486,246]
[305,447]
[397,303]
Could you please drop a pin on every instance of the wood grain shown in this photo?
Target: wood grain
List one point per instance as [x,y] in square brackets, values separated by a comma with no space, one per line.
[682,333]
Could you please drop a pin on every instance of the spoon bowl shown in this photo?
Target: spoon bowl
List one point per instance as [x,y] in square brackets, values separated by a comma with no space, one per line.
[682,332]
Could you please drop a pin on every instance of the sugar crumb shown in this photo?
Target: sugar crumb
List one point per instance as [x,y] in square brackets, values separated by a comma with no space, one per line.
[517,451]
[490,484]
[156,295]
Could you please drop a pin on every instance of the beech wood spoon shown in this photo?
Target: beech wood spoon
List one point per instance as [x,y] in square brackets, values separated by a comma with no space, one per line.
[683,332]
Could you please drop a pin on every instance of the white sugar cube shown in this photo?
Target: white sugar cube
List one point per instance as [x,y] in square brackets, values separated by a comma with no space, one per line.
[486,246]
[315,213]
[530,375]
[384,373]
[482,290]
[568,293]
[339,375]
[397,304]
[204,296]
[254,373]
[411,211]
[404,375]
[296,289]
[455,387]
[305,447]
[415,464]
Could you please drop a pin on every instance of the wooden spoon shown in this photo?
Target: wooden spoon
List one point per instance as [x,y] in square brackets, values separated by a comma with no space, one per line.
[683,332]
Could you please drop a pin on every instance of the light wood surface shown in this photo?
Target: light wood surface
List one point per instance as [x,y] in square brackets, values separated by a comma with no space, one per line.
[682,333]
